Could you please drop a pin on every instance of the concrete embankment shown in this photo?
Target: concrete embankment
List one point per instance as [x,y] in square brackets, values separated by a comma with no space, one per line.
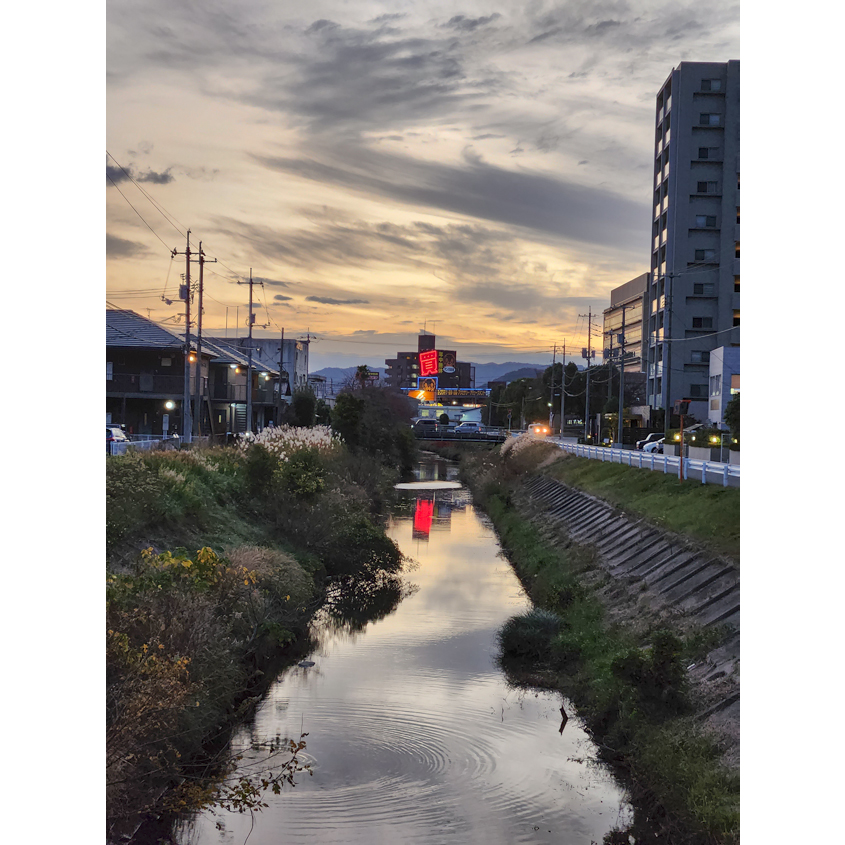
[666,574]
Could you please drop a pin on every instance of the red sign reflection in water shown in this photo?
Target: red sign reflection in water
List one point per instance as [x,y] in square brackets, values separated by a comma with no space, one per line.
[423,514]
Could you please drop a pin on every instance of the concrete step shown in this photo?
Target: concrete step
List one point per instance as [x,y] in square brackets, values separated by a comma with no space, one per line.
[631,558]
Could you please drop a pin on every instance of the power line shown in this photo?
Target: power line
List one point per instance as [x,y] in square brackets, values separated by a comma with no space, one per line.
[137,212]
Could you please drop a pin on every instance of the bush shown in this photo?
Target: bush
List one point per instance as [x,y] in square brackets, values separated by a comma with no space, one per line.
[530,635]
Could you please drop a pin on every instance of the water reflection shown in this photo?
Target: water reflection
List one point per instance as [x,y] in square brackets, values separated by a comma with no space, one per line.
[414,733]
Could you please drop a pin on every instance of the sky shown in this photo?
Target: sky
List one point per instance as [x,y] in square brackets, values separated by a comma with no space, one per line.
[479,170]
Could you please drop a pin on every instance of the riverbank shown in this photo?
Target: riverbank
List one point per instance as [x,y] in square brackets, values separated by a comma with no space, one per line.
[216,561]
[624,663]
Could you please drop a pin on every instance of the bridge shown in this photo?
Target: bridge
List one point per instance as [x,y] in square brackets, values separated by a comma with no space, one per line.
[444,435]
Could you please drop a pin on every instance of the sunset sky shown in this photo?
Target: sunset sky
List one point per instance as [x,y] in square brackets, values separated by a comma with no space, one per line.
[481,169]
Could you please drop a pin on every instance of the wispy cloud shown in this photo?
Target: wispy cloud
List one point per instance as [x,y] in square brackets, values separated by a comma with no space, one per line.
[327,300]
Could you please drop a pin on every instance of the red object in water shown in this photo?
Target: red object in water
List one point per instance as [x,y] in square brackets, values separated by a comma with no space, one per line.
[423,515]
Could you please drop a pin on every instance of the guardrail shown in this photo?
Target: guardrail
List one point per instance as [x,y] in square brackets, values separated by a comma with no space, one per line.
[121,447]
[709,472]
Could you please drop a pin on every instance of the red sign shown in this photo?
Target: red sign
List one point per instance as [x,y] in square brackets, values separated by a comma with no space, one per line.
[428,362]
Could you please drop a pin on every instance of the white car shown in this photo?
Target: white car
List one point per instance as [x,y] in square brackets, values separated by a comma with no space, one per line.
[655,435]
[655,446]
[469,428]
[539,429]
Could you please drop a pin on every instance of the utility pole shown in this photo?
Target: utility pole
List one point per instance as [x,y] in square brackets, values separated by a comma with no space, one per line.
[198,377]
[667,345]
[588,354]
[281,376]
[249,359]
[186,389]
[552,392]
[562,387]
[621,377]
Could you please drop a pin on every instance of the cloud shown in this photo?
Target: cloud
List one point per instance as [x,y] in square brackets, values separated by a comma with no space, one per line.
[559,209]
[122,174]
[279,298]
[326,300]
[465,24]
[121,248]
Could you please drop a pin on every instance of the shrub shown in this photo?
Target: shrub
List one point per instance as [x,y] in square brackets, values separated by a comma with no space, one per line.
[529,635]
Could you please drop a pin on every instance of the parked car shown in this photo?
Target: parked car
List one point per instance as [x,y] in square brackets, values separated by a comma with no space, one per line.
[115,434]
[470,428]
[655,446]
[539,429]
[655,435]
[425,425]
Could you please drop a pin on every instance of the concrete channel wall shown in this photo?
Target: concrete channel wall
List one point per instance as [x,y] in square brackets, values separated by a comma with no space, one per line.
[674,575]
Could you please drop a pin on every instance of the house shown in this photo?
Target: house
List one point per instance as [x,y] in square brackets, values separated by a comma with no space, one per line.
[145,381]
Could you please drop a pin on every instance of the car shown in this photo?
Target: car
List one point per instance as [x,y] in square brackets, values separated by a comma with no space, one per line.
[654,446]
[539,429]
[655,435]
[470,428]
[115,434]
[425,425]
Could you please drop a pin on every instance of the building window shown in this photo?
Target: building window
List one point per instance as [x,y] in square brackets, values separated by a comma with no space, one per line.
[697,391]
[737,215]
[716,385]
[736,317]
[736,284]
[711,84]
[699,357]
[704,322]
[703,289]
[706,187]
[736,250]
[703,221]
[109,370]
[705,254]
[710,119]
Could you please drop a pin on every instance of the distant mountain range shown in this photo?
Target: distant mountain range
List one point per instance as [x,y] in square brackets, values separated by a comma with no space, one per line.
[484,373]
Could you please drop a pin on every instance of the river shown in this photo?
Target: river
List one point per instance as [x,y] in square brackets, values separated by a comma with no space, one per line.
[414,733]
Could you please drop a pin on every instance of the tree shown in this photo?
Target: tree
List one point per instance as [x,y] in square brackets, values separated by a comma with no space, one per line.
[346,418]
[732,416]
[362,375]
[304,406]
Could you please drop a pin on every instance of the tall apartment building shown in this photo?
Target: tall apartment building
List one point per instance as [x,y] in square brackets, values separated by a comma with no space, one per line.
[693,292]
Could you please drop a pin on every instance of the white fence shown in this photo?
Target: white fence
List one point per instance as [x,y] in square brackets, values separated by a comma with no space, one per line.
[710,472]
[121,447]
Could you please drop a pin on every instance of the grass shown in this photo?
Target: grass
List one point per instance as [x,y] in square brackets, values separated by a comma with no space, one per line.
[192,635]
[706,512]
[629,687]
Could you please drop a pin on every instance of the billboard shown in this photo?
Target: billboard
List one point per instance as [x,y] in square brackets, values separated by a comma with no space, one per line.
[429,363]
[426,389]
[435,361]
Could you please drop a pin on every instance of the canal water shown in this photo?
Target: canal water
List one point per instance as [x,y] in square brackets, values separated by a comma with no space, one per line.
[414,733]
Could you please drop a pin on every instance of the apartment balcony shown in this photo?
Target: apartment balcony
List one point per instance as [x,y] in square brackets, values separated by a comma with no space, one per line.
[145,384]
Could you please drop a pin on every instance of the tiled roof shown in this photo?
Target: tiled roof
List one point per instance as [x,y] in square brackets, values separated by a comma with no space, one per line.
[126,328]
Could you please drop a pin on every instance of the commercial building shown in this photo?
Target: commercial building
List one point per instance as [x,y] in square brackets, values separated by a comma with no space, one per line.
[623,324]
[428,368]
[438,380]
[692,299]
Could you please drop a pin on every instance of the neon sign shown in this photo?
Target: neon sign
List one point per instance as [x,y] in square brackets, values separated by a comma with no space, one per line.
[428,362]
